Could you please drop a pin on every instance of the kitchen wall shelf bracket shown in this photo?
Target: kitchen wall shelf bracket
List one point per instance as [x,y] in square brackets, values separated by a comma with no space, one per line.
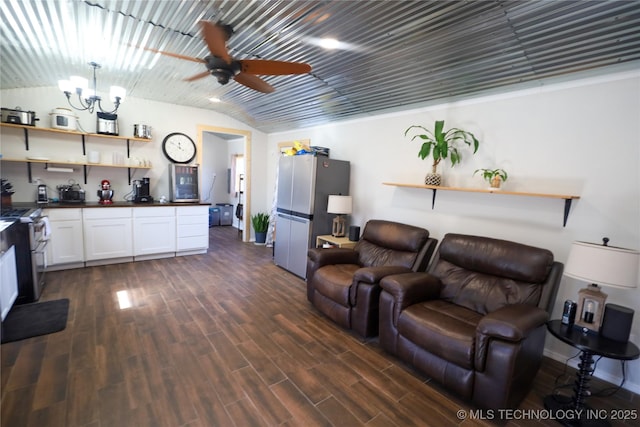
[26,140]
[566,197]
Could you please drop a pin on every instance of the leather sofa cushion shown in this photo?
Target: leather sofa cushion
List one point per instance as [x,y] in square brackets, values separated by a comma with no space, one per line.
[482,292]
[443,329]
[390,243]
[375,256]
[334,281]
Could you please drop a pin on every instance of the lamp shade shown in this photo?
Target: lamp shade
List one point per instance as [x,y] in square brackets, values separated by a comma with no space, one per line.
[340,205]
[603,265]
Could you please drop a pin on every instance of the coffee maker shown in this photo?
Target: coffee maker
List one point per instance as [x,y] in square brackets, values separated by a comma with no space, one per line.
[141,191]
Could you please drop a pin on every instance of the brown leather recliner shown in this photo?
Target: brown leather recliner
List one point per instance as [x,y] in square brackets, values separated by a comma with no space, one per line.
[344,283]
[475,322]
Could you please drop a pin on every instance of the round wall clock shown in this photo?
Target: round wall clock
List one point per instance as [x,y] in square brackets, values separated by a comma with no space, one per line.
[179,148]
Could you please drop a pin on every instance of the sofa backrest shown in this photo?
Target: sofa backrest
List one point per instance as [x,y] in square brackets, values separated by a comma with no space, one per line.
[485,274]
[392,243]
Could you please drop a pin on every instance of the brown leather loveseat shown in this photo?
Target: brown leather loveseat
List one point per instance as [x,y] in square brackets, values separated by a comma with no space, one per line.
[475,322]
[344,283]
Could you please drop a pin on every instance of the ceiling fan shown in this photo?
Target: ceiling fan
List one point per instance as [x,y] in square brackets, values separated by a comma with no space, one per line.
[223,67]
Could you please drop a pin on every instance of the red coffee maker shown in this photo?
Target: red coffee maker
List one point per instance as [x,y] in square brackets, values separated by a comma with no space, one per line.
[105,193]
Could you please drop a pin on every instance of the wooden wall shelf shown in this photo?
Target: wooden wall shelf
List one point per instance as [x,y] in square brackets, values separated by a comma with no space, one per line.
[568,198]
[83,135]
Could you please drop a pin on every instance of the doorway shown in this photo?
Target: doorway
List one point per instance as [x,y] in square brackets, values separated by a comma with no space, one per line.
[230,135]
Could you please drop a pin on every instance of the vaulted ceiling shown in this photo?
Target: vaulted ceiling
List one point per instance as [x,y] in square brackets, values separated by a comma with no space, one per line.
[390,55]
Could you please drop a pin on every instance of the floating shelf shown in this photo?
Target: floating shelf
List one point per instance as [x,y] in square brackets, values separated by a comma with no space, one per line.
[83,135]
[568,198]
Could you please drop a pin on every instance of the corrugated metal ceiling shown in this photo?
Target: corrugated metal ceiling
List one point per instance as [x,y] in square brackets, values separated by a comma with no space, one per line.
[393,54]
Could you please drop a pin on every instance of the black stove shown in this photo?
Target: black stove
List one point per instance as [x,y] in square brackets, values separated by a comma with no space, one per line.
[13,212]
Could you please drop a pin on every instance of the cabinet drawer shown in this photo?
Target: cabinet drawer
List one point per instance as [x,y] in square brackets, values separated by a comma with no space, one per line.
[63,214]
[106,213]
[192,210]
[149,212]
[186,230]
[193,242]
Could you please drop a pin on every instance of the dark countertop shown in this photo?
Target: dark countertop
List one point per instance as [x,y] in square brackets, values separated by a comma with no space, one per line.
[116,204]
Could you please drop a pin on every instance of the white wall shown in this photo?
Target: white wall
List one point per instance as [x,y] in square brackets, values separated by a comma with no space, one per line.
[580,137]
[163,118]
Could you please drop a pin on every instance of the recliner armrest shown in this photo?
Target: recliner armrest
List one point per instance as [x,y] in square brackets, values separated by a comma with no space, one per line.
[410,288]
[324,256]
[375,274]
[510,323]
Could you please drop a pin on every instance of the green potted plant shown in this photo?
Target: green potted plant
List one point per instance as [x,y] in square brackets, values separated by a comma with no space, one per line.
[260,222]
[493,176]
[441,144]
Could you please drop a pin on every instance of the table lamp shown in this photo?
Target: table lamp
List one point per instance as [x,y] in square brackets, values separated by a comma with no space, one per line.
[339,205]
[599,265]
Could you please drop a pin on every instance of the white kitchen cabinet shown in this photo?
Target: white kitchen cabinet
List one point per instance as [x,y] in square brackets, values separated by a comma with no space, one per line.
[66,242]
[192,229]
[8,281]
[154,232]
[107,234]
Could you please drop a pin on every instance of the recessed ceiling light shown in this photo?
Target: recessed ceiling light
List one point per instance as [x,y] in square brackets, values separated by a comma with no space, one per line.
[214,99]
[329,43]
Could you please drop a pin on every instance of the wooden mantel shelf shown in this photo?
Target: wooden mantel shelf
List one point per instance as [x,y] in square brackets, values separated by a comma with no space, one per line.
[568,198]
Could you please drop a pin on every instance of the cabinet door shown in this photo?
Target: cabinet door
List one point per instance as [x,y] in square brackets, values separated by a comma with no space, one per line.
[66,243]
[8,281]
[107,238]
[154,235]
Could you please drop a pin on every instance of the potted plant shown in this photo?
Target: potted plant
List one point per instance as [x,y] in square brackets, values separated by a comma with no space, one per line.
[441,144]
[260,222]
[6,192]
[493,176]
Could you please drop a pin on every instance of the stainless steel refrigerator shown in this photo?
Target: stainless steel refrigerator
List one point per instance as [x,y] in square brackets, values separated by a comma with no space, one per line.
[304,185]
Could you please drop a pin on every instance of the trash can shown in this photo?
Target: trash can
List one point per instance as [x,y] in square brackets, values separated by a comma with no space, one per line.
[214,217]
[226,213]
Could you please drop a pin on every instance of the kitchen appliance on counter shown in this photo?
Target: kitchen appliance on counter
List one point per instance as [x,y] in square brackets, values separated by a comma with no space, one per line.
[18,116]
[105,193]
[30,236]
[183,183]
[141,191]
[107,123]
[42,196]
[63,118]
[142,131]
[70,193]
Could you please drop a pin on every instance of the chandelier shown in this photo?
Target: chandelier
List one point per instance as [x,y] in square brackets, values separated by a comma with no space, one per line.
[87,96]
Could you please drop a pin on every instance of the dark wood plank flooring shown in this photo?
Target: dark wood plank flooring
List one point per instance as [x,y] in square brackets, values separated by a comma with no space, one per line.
[220,339]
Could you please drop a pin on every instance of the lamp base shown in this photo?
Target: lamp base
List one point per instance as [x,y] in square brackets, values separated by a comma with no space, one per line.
[590,308]
[339,226]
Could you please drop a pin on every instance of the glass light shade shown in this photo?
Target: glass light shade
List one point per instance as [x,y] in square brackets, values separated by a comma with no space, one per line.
[603,265]
[79,83]
[117,92]
[88,93]
[66,86]
[339,205]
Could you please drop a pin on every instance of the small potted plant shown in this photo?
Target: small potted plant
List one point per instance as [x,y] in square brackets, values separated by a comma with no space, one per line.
[495,177]
[260,222]
[7,191]
[441,144]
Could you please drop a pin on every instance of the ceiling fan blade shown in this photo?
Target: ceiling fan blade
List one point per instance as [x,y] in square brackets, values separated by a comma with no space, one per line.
[215,37]
[174,55]
[197,76]
[254,82]
[273,68]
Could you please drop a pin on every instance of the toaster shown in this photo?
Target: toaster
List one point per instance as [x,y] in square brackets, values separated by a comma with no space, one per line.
[70,193]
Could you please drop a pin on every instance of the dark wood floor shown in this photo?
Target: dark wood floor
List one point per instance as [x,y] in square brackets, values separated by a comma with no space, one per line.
[220,339]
